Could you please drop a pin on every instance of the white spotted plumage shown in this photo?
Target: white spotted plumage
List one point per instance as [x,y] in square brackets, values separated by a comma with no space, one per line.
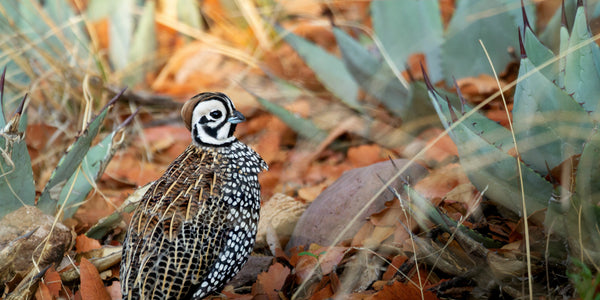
[195,226]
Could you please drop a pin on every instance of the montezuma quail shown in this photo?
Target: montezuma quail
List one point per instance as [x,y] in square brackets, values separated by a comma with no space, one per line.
[196,225]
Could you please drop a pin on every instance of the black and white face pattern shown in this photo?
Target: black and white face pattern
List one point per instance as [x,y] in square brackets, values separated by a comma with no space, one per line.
[214,120]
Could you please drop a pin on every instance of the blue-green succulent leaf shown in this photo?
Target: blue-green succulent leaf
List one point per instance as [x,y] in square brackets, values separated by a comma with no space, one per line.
[408,27]
[69,163]
[491,21]
[83,179]
[373,75]
[330,69]
[538,54]
[581,70]
[491,169]
[549,125]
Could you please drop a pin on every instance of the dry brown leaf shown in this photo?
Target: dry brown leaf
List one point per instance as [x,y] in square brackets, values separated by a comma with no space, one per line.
[92,287]
[270,283]
[364,155]
[127,167]
[477,88]
[403,291]
[53,282]
[310,193]
[441,150]
[499,115]
[392,269]
[84,244]
[441,181]
[43,292]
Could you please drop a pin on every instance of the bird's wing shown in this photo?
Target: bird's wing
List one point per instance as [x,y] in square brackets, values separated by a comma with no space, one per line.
[176,232]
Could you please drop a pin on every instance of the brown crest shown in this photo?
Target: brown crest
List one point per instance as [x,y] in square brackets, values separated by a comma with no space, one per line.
[187,110]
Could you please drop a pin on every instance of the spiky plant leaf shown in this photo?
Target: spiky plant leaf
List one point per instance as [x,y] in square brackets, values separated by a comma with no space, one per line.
[408,27]
[539,55]
[92,167]
[70,162]
[424,212]
[587,174]
[549,125]
[330,69]
[302,126]
[16,176]
[491,169]
[496,28]
[581,70]
[373,75]
[551,35]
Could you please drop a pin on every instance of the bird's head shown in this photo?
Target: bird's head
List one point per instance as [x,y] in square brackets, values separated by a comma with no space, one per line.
[212,118]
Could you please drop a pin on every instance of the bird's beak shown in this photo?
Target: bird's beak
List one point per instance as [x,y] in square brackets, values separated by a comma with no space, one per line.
[236,118]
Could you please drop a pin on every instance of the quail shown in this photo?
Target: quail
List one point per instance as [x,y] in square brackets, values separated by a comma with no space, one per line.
[196,225]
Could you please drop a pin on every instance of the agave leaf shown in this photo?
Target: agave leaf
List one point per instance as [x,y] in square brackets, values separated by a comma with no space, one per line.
[302,126]
[424,212]
[69,163]
[551,34]
[408,27]
[538,54]
[92,166]
[143,46]
[581,70]
[188,13]
[16,176]
[461,47]
[549,125]
[120,31]
[584,207]
[373,75]
[587,174]
[562,61]
[490,168]
[330,70]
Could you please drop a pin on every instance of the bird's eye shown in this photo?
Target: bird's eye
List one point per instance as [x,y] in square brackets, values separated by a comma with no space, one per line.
[215,114]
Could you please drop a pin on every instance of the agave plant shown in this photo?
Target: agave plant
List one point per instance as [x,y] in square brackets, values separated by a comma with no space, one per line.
[555,123]
[74,176]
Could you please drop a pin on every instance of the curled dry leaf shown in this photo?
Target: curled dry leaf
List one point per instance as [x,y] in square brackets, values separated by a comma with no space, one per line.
[91,285]
[84,244]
